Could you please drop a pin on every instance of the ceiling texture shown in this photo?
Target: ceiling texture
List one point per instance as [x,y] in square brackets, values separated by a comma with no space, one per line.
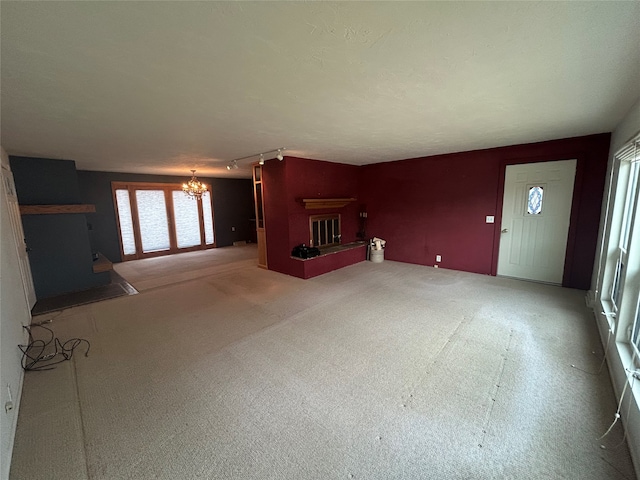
[164,87]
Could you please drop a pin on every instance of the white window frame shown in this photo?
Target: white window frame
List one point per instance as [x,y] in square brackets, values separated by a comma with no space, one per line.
[635,330]
[623,209]
[617,285]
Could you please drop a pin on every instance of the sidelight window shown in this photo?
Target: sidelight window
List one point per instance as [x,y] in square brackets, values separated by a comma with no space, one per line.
[125,221]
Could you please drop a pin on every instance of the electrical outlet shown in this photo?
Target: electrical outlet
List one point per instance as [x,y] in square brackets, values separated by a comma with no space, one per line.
[438,258]
[8,406]
[490,219]
[233,229]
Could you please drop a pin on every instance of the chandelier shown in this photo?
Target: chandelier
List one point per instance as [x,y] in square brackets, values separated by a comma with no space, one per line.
[194,188]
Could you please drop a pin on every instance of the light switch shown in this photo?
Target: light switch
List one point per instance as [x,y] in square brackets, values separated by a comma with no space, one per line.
[490,218]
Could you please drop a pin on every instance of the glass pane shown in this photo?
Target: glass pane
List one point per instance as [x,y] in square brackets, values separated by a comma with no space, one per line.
[324,230]
[152,213]
[208,218]
[635,338]
[259,205]
[256,172]
[126,222]
[627,216]
[534,205]
[187,220]
[617,281]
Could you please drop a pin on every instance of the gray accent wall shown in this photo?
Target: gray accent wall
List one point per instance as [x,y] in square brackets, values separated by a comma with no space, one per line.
[59,248]
[232,207]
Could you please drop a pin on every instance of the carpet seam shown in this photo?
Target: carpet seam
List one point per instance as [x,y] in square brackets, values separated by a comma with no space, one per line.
[82,426]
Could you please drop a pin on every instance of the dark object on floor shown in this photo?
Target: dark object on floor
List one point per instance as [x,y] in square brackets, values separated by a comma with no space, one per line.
[302,251]
[117,288]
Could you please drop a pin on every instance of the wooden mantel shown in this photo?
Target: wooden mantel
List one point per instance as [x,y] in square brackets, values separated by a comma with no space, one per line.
[316,203]
[56,209]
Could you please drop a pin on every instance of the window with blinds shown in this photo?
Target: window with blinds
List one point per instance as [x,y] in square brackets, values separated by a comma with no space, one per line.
[159,219]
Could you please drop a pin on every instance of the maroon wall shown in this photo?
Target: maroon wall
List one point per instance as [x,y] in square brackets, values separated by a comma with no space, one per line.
[276,216]
[437,205]
[286,219]
[434,205]
[333,261]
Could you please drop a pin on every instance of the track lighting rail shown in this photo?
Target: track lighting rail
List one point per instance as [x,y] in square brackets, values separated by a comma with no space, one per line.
[234,163]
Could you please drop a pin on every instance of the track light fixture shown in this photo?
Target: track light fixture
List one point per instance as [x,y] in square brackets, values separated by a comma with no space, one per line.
[279,156]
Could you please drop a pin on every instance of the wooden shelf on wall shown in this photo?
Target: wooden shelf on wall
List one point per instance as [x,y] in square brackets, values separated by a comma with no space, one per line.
[56,209]
[316,203]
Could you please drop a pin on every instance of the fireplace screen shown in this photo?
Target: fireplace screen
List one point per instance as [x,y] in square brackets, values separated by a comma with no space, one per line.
[324,230]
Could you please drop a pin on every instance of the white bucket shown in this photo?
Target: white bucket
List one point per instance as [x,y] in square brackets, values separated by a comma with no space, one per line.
[376,256]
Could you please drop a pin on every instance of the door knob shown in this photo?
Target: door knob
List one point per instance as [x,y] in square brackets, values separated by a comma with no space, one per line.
[504,230]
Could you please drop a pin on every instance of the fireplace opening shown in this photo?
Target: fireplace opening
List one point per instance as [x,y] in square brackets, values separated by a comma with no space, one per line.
[324,230]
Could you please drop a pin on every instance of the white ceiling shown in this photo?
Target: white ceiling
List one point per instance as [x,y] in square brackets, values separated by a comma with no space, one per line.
[163,87]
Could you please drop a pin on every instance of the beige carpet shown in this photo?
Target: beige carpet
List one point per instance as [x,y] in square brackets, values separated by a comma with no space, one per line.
[375,371]
[160,271]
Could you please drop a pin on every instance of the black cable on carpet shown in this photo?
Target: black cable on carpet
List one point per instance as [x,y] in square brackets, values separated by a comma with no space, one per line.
[34,356]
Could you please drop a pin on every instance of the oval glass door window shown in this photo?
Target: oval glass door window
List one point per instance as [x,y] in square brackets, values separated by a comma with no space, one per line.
[534,203]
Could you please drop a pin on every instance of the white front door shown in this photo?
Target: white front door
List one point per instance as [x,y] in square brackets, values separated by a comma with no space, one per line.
[536,211]
[18,233]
